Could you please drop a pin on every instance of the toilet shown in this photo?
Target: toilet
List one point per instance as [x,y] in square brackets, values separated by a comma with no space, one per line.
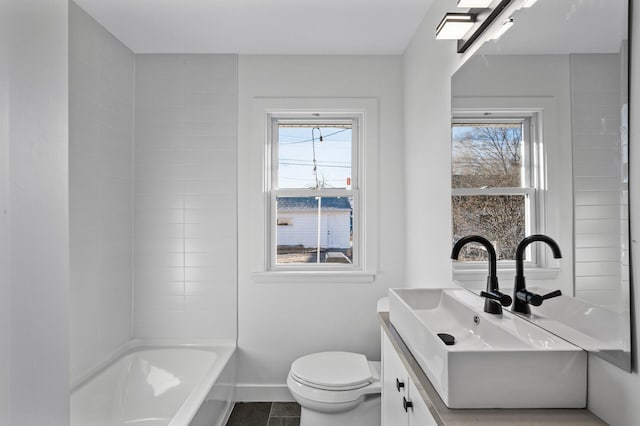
[337,389]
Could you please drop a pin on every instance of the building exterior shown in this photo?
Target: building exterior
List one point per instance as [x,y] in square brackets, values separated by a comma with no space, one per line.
[298,222]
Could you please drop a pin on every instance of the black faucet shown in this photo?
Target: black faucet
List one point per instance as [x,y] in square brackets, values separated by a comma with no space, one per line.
[521,296]
[494,300]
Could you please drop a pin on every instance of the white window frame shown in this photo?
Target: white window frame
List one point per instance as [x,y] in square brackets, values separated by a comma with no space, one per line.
[314,120]
[264,110]
[532,179]
[555,188]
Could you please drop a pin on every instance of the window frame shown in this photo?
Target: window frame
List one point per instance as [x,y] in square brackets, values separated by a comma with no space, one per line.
[531,180]
[258,179]
[314,119]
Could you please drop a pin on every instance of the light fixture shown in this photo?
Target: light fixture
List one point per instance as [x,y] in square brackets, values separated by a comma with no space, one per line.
[454,26]
[503,29]
[468,27]
[482,4]
[528,3]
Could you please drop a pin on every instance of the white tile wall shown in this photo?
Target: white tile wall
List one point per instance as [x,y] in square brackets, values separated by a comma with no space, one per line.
[101,71]
[185,196]
[38,201]
[596,104]
[5,282]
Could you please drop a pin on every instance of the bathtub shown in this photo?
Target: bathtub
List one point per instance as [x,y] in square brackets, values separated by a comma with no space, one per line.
[155,385]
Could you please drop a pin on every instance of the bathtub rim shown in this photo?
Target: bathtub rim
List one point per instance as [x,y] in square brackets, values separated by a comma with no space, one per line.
[224,350]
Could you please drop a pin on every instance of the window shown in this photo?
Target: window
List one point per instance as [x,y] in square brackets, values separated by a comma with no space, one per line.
[494,174]
[314,203]
[279,183]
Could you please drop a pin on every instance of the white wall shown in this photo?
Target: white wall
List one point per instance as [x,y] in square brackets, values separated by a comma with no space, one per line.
[613,393]
[39,212]
[428,66]
[5,285]
[280,321]
[596,92]
[532,82]
[100,190]
[185,196]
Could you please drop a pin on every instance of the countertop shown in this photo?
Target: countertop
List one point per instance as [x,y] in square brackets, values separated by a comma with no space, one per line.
[487,417]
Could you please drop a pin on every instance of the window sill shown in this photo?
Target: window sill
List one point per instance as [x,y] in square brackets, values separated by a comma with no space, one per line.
[314,277]
[504,275]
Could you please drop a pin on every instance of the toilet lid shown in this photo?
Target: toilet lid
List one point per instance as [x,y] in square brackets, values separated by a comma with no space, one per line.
[333,370]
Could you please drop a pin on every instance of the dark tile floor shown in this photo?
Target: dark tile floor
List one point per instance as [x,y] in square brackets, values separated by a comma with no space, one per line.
[265,414]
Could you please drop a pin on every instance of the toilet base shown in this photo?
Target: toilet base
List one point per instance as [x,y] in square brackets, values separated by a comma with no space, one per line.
[368,413]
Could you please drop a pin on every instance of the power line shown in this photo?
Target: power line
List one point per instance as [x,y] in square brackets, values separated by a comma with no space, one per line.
[319,164]
[311,140]
[309,162]
[308,179]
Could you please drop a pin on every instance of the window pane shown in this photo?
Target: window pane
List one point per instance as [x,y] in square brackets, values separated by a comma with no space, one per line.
[498,218]
[319,158]
[486,155]
[300,240]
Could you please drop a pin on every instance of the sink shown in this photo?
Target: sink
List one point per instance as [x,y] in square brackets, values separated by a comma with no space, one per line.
[496,361]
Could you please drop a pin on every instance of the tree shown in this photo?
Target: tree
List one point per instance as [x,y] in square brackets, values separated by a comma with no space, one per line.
[499,218]
[488,156]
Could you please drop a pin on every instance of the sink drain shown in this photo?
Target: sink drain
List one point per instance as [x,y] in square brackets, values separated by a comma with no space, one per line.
[447,339]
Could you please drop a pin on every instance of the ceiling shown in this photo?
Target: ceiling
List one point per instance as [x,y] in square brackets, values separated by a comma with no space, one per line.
[563,27]
[261,26]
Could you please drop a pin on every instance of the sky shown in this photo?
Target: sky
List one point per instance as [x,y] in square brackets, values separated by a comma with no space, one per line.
[333,157]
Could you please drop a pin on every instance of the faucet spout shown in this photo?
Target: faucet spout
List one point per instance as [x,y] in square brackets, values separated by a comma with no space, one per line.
[522,297]
[494,300]
[532,239]
[491,252]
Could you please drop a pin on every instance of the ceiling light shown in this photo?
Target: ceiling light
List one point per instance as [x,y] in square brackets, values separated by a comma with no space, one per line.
[484,4]
[503,29]
[528,3]
[454,26]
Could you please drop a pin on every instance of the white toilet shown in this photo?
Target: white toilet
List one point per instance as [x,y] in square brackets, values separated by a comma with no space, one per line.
[337,389]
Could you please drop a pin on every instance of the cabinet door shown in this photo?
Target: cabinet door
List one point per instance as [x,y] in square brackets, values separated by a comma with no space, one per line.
[419,414]
[394,386]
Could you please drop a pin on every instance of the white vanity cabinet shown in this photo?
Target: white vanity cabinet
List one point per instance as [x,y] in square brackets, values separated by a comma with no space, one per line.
[402,405]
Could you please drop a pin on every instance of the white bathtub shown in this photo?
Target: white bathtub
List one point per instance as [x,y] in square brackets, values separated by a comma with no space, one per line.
[153,386]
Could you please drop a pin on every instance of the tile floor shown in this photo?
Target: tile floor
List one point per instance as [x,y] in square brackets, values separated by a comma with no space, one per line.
[265,414]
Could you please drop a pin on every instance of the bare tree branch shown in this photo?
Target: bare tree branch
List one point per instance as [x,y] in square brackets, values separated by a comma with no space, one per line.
[488,156]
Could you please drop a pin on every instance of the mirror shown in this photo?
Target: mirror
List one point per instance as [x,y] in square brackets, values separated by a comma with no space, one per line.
[539,145]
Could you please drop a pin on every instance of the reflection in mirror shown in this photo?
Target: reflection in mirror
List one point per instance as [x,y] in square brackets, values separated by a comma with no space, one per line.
[539,145]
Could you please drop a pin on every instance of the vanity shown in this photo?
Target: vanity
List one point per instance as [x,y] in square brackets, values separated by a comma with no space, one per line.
[446,361]
[409,398]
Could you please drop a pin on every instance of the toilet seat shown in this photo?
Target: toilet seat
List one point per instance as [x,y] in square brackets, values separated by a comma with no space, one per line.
[332,371]
[354,390]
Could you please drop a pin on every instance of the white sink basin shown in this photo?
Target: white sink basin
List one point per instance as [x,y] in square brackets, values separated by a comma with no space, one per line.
[497,361]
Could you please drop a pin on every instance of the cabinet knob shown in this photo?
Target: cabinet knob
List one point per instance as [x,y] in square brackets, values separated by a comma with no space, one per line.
[406,404]
[399,384]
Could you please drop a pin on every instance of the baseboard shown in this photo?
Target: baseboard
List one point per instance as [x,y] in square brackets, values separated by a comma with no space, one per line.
[263,393]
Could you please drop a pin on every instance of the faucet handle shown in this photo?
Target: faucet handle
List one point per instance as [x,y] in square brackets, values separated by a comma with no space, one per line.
[504,299]
[553,294]
[536,299]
